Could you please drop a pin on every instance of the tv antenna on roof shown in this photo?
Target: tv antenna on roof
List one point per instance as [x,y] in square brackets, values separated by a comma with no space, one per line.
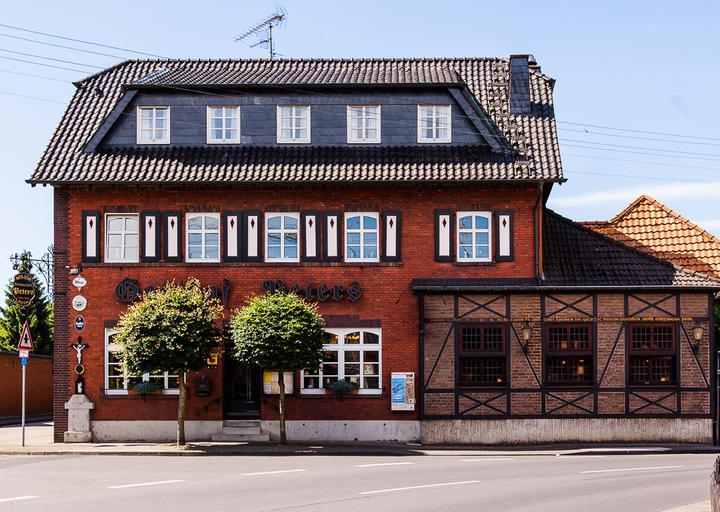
[264,31]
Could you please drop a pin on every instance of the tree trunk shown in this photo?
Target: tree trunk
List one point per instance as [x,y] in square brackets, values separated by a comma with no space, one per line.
[281,384]
[182,405]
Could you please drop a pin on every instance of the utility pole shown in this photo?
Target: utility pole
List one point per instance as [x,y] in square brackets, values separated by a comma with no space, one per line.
[264,32]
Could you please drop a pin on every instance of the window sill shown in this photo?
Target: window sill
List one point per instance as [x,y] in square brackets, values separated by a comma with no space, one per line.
[323,393]
[108,264]
[164,395]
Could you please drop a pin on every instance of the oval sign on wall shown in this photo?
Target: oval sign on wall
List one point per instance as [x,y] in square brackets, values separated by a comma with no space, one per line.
[79,282]
[79,303]
[79,323]
[23,288]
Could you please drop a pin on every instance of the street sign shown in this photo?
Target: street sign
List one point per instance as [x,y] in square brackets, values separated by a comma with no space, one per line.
[79,303]
[25,342]
[23,288]
[79,282]
[23,361]
[79,323]
[24,354]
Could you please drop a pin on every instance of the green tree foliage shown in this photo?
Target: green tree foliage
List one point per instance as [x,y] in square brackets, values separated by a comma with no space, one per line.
[172,329]
[39,314]
[280,332]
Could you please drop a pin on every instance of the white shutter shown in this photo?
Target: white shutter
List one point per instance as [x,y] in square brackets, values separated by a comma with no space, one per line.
[233,229]
[331,230]
[253,232]
[444,235]
[504,230]
[311,236]
[173,232]
[391,236]
[91,237]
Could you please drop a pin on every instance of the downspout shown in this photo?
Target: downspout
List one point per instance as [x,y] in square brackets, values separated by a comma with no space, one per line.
[539,275]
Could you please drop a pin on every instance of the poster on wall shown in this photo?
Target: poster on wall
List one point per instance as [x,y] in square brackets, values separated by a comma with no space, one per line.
[402,396]
[271,386]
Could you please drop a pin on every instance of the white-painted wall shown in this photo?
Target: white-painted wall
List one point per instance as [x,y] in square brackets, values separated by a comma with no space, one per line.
[157,431]
[335,431]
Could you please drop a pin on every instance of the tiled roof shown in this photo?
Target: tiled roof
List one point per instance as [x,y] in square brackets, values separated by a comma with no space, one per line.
[650,226]
[535,152]
[575,255]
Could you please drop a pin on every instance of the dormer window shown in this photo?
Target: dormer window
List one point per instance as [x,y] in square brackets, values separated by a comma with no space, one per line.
[153,125]
[363,125]
[293,124]
[434,124]
[223,125]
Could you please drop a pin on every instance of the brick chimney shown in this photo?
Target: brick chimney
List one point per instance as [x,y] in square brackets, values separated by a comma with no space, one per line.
[520,83]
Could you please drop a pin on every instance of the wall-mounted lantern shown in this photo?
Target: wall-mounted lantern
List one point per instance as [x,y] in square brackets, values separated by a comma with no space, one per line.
[698,333]
[527,332]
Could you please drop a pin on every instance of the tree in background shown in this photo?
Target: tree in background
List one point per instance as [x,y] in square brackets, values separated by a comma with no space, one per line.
[39,315]
[172,329]
[279,332]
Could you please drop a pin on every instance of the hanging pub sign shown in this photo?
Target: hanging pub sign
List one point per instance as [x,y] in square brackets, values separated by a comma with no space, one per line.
[23,289]
[321,292]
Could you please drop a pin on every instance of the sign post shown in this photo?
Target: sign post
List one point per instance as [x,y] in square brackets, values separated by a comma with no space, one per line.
[25,346]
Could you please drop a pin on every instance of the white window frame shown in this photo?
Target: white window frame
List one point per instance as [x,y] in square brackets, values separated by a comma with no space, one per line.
[211,129]
[124,233]
[282,231]
[362,231]
[112,347]
[152,140]
[420,131]
[340,348]
[474,231]
[364,116]
[203,232]
[293,140]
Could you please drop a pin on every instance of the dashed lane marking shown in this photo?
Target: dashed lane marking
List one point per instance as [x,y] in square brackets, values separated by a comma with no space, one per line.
[145,484]
[412,487]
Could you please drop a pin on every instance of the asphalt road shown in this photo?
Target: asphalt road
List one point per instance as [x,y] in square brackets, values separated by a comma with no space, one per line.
[317,483]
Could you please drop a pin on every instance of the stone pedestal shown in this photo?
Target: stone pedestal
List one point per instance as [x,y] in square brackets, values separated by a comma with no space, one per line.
[78,408]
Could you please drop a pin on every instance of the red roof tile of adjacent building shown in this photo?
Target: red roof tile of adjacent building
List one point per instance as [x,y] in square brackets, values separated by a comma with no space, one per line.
[650,226]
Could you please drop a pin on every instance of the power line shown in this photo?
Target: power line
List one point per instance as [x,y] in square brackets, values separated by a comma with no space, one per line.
[643,162]
[44,64]
[639,138]
[34,76]
[638,131]
[50,58]
[613,175]
[81,41]
[639,147]
[640,152]
[37,41]
[31,97]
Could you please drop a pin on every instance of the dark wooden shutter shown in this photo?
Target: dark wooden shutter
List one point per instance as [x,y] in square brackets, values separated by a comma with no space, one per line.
[391,232]
[252,230]
[504,235]
[310,235]
[91,236]
[444,235]
[173,229]
[150,226]
[232,222]
[332,236]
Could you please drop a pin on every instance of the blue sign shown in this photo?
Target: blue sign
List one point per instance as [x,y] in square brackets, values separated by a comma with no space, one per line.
[23,361]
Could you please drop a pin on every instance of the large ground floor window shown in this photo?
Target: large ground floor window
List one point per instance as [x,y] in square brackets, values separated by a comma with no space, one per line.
[481,357]
[352,354]
[652,356]
[118,382]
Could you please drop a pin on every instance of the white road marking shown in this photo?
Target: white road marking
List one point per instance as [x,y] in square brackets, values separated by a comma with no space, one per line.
[17,498]
[485,460]
[273,472]
[570,456]
[628,469]
[379,491]
[144,484]
[383,464]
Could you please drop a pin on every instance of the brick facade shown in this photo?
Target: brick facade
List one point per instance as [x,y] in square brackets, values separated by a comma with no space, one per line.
[527,394]
[387,298]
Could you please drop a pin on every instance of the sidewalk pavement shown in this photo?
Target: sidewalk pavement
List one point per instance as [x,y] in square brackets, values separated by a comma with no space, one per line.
[39,442]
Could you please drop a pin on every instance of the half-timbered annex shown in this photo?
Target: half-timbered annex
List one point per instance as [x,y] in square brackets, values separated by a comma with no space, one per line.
[407,198]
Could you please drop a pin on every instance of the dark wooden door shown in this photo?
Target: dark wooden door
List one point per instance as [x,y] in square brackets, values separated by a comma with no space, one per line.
[242,390]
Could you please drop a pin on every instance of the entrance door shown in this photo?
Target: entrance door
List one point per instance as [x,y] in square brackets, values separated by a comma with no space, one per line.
[242,390]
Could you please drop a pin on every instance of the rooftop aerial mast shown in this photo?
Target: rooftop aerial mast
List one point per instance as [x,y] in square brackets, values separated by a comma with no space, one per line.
[264,31]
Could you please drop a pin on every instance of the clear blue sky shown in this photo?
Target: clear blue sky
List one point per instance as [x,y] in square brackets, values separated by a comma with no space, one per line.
[635,65]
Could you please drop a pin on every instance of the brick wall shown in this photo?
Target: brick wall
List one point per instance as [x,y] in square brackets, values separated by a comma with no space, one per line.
[61,384]
[38,390]
[387,296]
[608,316]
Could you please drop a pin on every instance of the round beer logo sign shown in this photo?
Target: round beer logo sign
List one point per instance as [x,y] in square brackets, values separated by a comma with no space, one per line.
[79,303]
[23,289]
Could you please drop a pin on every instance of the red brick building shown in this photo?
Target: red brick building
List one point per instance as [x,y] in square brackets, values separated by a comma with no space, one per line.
[407,198]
